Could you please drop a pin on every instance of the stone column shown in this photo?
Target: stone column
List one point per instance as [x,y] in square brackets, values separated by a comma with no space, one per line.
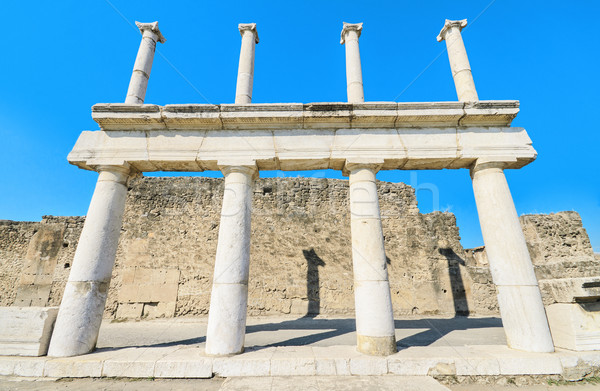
[459,62]
[375,329]
[143,62]
[80,314]
[243,91]
[519,298]
[354,84]
[229,298]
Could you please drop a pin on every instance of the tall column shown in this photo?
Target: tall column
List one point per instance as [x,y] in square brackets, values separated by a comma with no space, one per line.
[143,62]
[519,298]
[80,314]
[229,298]
[354,84]
[243,91]
[375,329]
[459,62]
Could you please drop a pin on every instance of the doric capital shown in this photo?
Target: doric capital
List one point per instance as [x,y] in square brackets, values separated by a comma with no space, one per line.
[497,162]
[448,24]
[251,27]
[151,27]
[352,164]
[350,27]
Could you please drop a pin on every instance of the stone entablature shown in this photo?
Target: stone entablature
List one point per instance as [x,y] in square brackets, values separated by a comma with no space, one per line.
[294,136]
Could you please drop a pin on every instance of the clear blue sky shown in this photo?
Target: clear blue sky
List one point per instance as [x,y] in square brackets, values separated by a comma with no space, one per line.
[60,58]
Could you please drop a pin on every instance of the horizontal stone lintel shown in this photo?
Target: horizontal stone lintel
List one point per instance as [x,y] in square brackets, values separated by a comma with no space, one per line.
[120,116]
[303,149]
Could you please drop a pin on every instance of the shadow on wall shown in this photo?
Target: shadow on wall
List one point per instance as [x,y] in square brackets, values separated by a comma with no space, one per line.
[457,286]
[313,292]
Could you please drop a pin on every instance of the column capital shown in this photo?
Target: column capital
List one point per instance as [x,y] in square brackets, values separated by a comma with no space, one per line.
[244,167]
[152,27]
[491,162]
[118,174]
[350,27]
[448,24]
[248,27]
[356,164]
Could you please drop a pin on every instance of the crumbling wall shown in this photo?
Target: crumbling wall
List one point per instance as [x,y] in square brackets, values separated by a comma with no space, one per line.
[300,251]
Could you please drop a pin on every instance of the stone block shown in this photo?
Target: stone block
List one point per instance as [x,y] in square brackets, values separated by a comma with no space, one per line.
[569,290]
[158,310]
[251,363]
[130,310]
[26,331]
[135,362]
[296,361]
[368,366]
[184,363]
[80,366]
[32,295]
[575,326]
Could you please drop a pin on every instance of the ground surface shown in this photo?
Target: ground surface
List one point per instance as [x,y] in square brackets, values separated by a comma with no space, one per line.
[353,383]
[291,331]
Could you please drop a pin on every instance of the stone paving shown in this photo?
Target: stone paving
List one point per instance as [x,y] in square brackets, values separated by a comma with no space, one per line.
[309,347]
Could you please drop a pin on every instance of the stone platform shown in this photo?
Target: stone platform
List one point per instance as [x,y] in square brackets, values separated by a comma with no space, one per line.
[174,348]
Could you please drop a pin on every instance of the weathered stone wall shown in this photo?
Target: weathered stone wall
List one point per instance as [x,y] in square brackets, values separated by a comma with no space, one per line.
[300,255]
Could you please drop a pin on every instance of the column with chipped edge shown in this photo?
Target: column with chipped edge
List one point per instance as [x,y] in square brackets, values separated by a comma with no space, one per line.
[138,84]
[519,298]
[226,329]
[459,62]
[245,78]
[375,330]
[84,298]
[354,84]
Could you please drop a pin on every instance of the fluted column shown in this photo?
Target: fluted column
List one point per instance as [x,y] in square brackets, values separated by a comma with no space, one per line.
[229,298]
[245,79]
[375,329]
[459,62]
[143,62]
[80,314]
[354,84]
[521,307]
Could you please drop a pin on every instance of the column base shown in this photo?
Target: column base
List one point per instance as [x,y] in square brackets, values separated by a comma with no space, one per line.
[376,346]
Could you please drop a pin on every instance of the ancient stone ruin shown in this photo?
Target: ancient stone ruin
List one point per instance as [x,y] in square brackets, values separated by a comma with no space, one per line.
[165,247]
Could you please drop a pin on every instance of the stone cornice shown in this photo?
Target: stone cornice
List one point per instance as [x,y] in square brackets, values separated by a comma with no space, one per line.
[448,24]
[120,116]
[152,27]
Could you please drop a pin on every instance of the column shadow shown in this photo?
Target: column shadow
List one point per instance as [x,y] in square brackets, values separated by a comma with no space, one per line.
[457,286]
[313,290]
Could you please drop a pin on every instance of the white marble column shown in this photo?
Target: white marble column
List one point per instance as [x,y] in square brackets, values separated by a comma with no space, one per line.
[229,298]
[459,62]
[80,314]
[243,91]
[521,307]
[143,62]
[375,329]
[354,84]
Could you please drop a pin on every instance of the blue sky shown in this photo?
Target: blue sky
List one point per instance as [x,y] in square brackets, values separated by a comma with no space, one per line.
[60,58]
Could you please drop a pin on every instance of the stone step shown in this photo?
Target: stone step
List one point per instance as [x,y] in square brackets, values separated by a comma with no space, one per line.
[184,361]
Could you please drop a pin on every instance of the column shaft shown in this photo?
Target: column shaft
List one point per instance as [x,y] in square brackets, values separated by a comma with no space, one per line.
[227,316]
[138,84]
[373,305]
[354,83]
[80,314]
[459,62]
[245,79]
[519,298]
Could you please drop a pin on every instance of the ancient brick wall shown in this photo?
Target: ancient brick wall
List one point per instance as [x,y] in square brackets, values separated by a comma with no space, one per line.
[300,253]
